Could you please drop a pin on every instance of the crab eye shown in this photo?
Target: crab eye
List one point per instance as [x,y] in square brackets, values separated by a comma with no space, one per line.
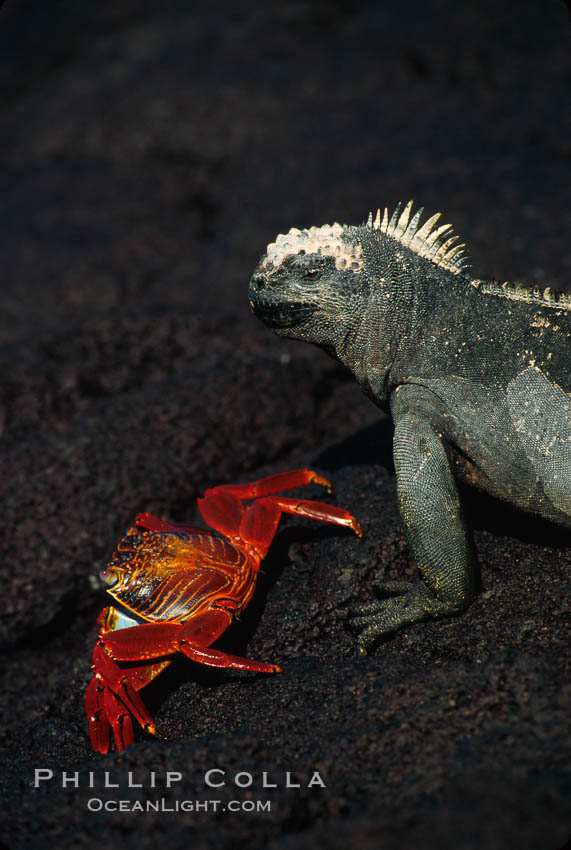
[110,577]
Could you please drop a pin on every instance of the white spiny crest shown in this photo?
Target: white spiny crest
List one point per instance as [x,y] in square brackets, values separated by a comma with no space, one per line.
[326,240]
[431,242]
[545,296]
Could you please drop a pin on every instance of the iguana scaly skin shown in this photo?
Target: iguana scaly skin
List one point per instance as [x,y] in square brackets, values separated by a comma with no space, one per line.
[476,375]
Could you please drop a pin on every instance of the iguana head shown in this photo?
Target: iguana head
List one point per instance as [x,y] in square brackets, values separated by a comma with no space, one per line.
[309,282]
[315,284]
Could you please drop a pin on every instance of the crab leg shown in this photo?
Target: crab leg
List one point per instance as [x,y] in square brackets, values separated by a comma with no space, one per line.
[272,484]
[119,718]
[304,507]
[107,713]
[216,658]
[258,523]
[99,726]
[221,507]
[142,674]
[152,640]
[255,489]
[113,677]
[153,523]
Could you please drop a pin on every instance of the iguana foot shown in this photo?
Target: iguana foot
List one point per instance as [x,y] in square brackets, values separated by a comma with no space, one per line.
[411,603]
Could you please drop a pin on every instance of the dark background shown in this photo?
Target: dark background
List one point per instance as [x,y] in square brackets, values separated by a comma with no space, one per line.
[148,153]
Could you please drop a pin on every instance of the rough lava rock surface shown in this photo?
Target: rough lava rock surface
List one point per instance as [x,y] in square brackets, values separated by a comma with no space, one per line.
[148,153]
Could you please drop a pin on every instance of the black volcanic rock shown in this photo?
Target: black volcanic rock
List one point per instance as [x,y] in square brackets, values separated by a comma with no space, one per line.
[148,154]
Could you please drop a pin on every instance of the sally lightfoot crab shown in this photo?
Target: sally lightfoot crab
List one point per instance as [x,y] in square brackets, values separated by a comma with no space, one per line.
[179,588]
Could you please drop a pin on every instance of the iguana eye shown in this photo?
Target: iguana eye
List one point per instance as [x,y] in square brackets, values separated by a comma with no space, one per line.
[311,266]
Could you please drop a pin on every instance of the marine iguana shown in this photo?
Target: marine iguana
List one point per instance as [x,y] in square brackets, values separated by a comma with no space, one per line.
[476,375]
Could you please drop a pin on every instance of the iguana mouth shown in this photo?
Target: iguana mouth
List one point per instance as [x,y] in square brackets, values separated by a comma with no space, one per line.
[276,315]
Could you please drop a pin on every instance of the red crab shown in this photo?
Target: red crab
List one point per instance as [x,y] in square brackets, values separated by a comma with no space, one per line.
[179,589]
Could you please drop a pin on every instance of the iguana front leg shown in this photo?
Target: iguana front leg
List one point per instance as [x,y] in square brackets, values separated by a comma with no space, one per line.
[432,515]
